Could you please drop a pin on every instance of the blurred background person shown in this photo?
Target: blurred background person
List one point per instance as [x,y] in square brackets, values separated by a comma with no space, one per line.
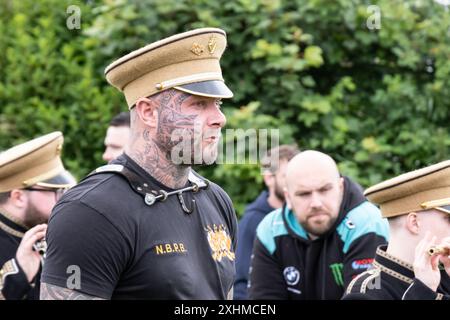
[326,234]
[274,165]
[117,136]
[32,178]
[417,206]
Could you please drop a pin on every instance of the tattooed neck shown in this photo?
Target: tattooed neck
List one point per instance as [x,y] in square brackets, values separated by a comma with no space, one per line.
[158,164]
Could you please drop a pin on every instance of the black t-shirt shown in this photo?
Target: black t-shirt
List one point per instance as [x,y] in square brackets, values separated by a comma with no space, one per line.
[125,249]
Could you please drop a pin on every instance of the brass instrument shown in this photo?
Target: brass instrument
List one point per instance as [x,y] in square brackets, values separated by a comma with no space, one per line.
[41,247]
[438,250]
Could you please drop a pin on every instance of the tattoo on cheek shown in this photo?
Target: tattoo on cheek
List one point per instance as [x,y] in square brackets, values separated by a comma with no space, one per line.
[175,121]
[171,121]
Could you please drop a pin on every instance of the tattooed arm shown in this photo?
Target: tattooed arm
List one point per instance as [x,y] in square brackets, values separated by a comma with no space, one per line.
[51,292]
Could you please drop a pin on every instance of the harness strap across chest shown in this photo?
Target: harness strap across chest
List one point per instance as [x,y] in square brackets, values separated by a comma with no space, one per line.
[150,195]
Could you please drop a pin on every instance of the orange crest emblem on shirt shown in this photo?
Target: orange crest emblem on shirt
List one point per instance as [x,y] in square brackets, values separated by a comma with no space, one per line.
[220,242]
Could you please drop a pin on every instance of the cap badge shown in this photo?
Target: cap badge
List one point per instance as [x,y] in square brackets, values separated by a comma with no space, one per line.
[197,49]
[58,149]
[212,43]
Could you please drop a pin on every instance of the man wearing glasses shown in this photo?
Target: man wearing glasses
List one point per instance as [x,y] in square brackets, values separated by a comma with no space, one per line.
[416,262]
[32,179]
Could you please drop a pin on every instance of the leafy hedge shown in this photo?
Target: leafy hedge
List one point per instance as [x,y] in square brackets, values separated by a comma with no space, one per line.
[377,100]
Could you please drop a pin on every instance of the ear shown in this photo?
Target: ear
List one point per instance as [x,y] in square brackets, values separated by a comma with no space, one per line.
[287,198]
[413,223]
[341,183]
[147,112]
[18,198]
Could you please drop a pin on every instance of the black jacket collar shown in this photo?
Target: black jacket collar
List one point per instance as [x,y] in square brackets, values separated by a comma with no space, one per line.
[11,225]
[393,266]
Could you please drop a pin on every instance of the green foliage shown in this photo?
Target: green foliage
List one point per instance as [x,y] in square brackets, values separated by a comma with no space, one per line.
[377,100]
[49,82]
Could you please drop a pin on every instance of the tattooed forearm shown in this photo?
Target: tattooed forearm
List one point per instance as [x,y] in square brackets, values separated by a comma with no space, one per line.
[51,292]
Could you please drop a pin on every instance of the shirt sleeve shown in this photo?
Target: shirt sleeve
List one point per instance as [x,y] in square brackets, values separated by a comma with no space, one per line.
[444,286]
[233,224]
[362,231]
[85,251]
[13,281]
[224,201]
[419,291]
[360,255]
[266,280]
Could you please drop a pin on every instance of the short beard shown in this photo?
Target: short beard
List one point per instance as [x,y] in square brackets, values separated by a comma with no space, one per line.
[188,149]
[318,231]
[210,153]
[33,216]
[279,192]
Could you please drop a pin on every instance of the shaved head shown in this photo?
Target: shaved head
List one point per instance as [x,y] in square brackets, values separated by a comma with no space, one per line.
[312,164]
[314,191]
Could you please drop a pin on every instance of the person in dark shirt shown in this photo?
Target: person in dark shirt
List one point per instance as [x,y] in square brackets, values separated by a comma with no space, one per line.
[417,206]
[325,235]
[32,178]
[274,165]
[147,226]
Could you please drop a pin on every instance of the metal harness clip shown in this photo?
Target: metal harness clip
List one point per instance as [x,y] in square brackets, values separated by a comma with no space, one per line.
[153,196]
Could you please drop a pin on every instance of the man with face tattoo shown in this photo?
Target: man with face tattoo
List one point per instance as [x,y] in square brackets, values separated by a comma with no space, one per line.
[147,226]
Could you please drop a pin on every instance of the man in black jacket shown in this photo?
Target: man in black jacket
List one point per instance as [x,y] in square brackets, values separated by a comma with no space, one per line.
[417,205]
[274,172]
[32,178]
[325,235]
